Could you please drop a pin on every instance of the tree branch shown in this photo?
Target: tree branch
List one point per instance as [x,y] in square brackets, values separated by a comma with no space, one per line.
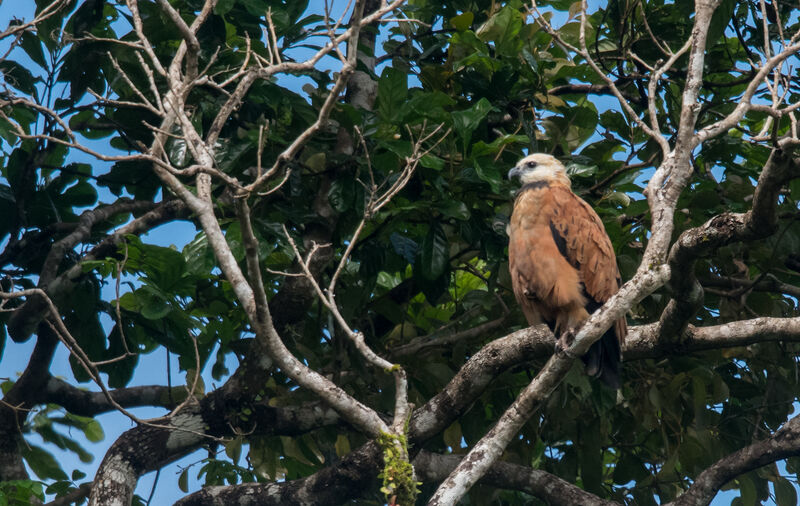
[145,448]
[761,221]
[784,443]
[347,478]
[548,487]
[85,403]
[26,317]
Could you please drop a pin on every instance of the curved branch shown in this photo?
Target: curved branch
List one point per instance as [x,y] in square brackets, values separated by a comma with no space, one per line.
[145,448]
[548,487]
[26,317]
[350,476]
[646,341]
[785,442]
[761,221]
[85,403]
[491,446]
[15,406]
[769,283]
[332,485]
[76,496]
[745,104]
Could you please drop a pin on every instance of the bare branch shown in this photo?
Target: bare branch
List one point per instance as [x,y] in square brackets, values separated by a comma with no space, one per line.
[698,242]
[48,11]
[85,403]
[25,318]
[188,35]
[133,6]
[784,443]
[584,53]
[250,77]
[745,104]
[548,487]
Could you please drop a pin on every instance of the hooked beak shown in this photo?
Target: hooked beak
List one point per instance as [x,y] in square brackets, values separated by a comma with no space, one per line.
[514,172]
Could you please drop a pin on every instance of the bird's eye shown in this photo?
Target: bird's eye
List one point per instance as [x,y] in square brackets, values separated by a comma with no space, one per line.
[531,165]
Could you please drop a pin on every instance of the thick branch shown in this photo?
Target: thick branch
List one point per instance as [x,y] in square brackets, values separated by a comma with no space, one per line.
[645,341]
[20,327]
[548,487]
[85,403]
[358,470]
[332,485]
[784,443]
[761,221]
[486,452]
[16,403]
[146,448]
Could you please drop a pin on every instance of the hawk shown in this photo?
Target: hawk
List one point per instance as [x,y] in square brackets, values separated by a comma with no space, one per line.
[561,261]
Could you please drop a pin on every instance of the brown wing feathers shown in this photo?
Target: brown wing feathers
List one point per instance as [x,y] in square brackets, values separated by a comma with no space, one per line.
[563,268]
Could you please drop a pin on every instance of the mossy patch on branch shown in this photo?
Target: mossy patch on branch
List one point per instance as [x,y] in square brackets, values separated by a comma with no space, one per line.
[399,484]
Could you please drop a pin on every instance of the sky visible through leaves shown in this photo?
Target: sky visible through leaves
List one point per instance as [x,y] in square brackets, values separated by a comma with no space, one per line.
[155,365]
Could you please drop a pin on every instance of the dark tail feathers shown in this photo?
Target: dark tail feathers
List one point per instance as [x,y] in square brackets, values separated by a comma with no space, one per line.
[603,359]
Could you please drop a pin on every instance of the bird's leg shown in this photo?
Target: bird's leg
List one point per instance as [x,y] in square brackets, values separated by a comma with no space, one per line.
[564,341]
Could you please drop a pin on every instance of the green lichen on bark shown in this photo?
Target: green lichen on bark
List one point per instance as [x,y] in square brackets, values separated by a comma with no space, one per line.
[399,485]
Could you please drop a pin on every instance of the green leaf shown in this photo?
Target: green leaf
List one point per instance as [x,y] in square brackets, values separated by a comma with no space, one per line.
[81,194]
[530,60]
[88,15]
[747,489]
[489,172]
[7,194]
[575,169]
[8,131]
[183,481]
[152,305]
[90,125]
[785,493]
[454,209]
[404,246]
[618,199]
[431,162]
[223,7]
[465,122]
[434,253]
[31,44]
[392,92]
[3,335]
[20,492]
[628,468]
[19,77]
[480,148]
[342,194]
[342,445]
[503,28]
[463,21]
[720,19]
[233,449]
[178,152]
[199,256]
[43,464]
[93,431]
[452,435]
[591,462]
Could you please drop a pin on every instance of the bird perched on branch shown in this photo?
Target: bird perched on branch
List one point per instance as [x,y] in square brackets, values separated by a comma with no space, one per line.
[561,261]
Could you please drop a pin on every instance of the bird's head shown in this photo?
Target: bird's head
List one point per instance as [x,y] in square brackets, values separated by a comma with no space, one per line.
[539,167]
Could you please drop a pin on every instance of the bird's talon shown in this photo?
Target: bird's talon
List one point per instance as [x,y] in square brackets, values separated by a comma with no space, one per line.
[564,342]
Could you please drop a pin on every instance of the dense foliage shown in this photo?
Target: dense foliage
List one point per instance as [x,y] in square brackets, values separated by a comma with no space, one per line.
[426,281]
